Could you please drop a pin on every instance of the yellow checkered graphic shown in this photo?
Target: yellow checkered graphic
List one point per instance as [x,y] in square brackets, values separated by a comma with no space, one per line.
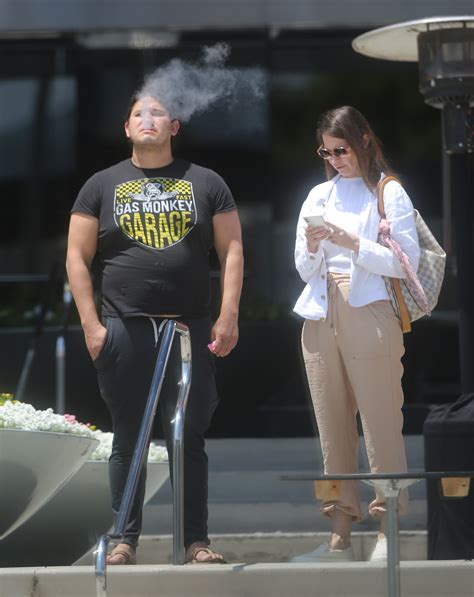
[135,187]
[155,212]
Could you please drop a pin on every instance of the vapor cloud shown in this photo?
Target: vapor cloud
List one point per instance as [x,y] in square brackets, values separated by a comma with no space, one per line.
[187,89]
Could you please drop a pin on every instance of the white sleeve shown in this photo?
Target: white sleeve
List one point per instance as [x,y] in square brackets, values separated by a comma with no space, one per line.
[306,263]
[399,213]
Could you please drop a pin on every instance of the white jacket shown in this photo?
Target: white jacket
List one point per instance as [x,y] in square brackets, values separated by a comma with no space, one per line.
[373,260]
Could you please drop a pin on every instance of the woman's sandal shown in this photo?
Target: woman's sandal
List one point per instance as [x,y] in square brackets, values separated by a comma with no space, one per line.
[198,547]
[124,553]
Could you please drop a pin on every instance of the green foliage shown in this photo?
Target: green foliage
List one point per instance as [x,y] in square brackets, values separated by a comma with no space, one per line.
[20,306]
[4,397]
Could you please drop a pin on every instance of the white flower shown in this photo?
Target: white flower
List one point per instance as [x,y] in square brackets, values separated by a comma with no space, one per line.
[18,415]
[104,449]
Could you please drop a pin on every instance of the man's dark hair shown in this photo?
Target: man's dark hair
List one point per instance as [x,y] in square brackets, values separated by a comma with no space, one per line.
[132,101]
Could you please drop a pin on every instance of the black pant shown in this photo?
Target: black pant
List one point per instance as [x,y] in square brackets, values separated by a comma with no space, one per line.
[125,367]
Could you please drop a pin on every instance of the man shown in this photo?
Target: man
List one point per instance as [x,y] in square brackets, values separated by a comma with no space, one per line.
[151,221]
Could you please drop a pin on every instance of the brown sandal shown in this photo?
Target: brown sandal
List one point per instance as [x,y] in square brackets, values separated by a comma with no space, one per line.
[125,552]
[197,547]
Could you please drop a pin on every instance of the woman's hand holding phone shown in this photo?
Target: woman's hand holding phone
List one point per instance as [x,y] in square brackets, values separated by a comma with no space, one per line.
[342,238]
[316,231]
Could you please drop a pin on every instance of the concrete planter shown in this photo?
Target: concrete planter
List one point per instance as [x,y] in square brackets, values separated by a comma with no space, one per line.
[71,522]
[34,465]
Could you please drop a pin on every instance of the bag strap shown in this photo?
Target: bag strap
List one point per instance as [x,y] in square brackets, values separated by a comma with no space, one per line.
[380,189]
[395,282]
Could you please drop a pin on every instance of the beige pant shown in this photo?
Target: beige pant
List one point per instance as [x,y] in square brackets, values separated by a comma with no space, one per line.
[353,364]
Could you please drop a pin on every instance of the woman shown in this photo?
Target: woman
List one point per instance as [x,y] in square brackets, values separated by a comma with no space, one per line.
[352,340]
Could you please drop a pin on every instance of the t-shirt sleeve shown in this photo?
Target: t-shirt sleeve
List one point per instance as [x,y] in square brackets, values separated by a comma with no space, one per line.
[220,196]
[88,199]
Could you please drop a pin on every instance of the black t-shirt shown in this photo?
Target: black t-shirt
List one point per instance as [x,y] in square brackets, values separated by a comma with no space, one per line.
[155,234]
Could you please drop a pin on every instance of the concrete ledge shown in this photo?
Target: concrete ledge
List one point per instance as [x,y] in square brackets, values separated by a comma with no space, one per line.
[17,582]
[436,579]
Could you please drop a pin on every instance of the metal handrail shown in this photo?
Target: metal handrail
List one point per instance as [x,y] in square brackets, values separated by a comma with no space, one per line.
[141,446]
[178,445]
[390,484]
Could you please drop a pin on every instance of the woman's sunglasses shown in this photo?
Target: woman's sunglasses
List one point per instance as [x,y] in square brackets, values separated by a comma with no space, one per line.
[338,152]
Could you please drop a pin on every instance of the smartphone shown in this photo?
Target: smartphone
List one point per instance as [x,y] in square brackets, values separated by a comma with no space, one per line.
[316,221]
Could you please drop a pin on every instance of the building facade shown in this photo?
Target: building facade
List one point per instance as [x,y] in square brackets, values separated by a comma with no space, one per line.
[67,70]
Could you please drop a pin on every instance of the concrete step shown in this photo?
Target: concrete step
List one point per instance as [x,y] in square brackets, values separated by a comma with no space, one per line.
[355,579]
[247,493]
[258,548]
[266,517]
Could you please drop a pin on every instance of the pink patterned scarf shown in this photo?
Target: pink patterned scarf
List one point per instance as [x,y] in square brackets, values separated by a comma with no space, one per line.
[411,279]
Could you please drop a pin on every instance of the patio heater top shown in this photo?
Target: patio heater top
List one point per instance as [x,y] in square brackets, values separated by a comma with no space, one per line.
[444,50]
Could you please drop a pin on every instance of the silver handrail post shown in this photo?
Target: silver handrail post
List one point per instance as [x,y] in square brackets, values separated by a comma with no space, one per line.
[145,429]
[25,372]
[391,489]
[137,459]
[100,566]
[60,375]
[61,352]
[178,445]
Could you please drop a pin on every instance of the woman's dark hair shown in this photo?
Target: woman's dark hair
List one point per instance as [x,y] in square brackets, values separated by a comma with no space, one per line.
[349,124]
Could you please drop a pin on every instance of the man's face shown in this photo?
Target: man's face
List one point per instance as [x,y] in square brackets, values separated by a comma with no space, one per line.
[149,124]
